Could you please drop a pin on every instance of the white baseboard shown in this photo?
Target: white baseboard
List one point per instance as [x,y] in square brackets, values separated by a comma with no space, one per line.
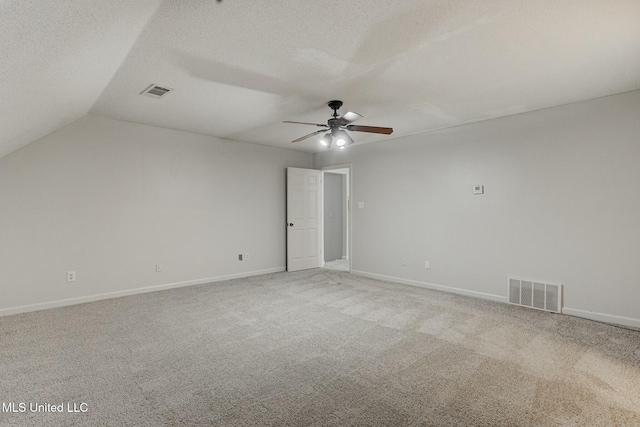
[98,297]
[592,315]
[602,317]
[459,291]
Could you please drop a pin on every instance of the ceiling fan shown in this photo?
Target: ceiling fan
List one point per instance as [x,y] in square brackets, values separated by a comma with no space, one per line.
[337,126]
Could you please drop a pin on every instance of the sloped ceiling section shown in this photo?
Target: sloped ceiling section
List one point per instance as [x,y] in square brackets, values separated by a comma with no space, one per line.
[240,67]
[57,56]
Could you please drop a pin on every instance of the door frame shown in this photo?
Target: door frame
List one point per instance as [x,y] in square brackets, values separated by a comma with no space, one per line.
[349,217]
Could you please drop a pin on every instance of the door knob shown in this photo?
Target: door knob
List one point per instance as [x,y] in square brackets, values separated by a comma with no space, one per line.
[290,224]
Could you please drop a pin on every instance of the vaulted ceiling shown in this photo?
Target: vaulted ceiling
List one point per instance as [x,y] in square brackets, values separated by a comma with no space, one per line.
[240,67]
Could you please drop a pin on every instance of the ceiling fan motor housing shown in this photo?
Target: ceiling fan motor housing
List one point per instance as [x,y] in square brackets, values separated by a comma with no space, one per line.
[334,105]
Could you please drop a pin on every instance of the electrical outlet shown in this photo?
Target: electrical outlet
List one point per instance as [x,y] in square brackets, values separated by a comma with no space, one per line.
[404,262]
[246,256]
[158,268]
[426,264]
[240,257]
[71,276]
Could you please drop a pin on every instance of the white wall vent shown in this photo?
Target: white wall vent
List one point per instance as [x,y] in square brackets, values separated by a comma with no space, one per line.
[534,294]
[155,91]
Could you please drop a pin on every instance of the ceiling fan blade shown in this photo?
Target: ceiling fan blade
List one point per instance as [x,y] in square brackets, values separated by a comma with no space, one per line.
[305,123]
[347,118]
[302,138]
[370,129]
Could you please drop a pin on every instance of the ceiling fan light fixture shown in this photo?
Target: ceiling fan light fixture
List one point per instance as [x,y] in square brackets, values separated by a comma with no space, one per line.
[349,139]
[326,140]
[336,126]
[341,138]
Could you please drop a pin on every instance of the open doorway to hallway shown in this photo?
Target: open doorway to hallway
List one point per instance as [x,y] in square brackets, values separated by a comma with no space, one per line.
[336,227]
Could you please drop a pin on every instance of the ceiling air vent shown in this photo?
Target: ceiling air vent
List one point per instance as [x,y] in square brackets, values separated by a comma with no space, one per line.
[155,91]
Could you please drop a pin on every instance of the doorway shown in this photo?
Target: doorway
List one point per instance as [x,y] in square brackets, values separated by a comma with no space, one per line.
[336,217]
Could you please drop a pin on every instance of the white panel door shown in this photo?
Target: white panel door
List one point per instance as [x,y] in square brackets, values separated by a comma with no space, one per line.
[304,192]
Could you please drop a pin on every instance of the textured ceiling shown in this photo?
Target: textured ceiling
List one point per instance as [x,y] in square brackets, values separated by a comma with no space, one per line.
[240,67]
[56,58]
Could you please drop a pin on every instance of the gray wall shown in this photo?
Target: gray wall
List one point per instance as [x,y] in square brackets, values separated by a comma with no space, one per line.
[333,216]
[561,204]
[111,199]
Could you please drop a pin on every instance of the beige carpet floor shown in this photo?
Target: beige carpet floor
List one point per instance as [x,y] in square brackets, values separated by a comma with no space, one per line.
[317,348]
[338,264]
